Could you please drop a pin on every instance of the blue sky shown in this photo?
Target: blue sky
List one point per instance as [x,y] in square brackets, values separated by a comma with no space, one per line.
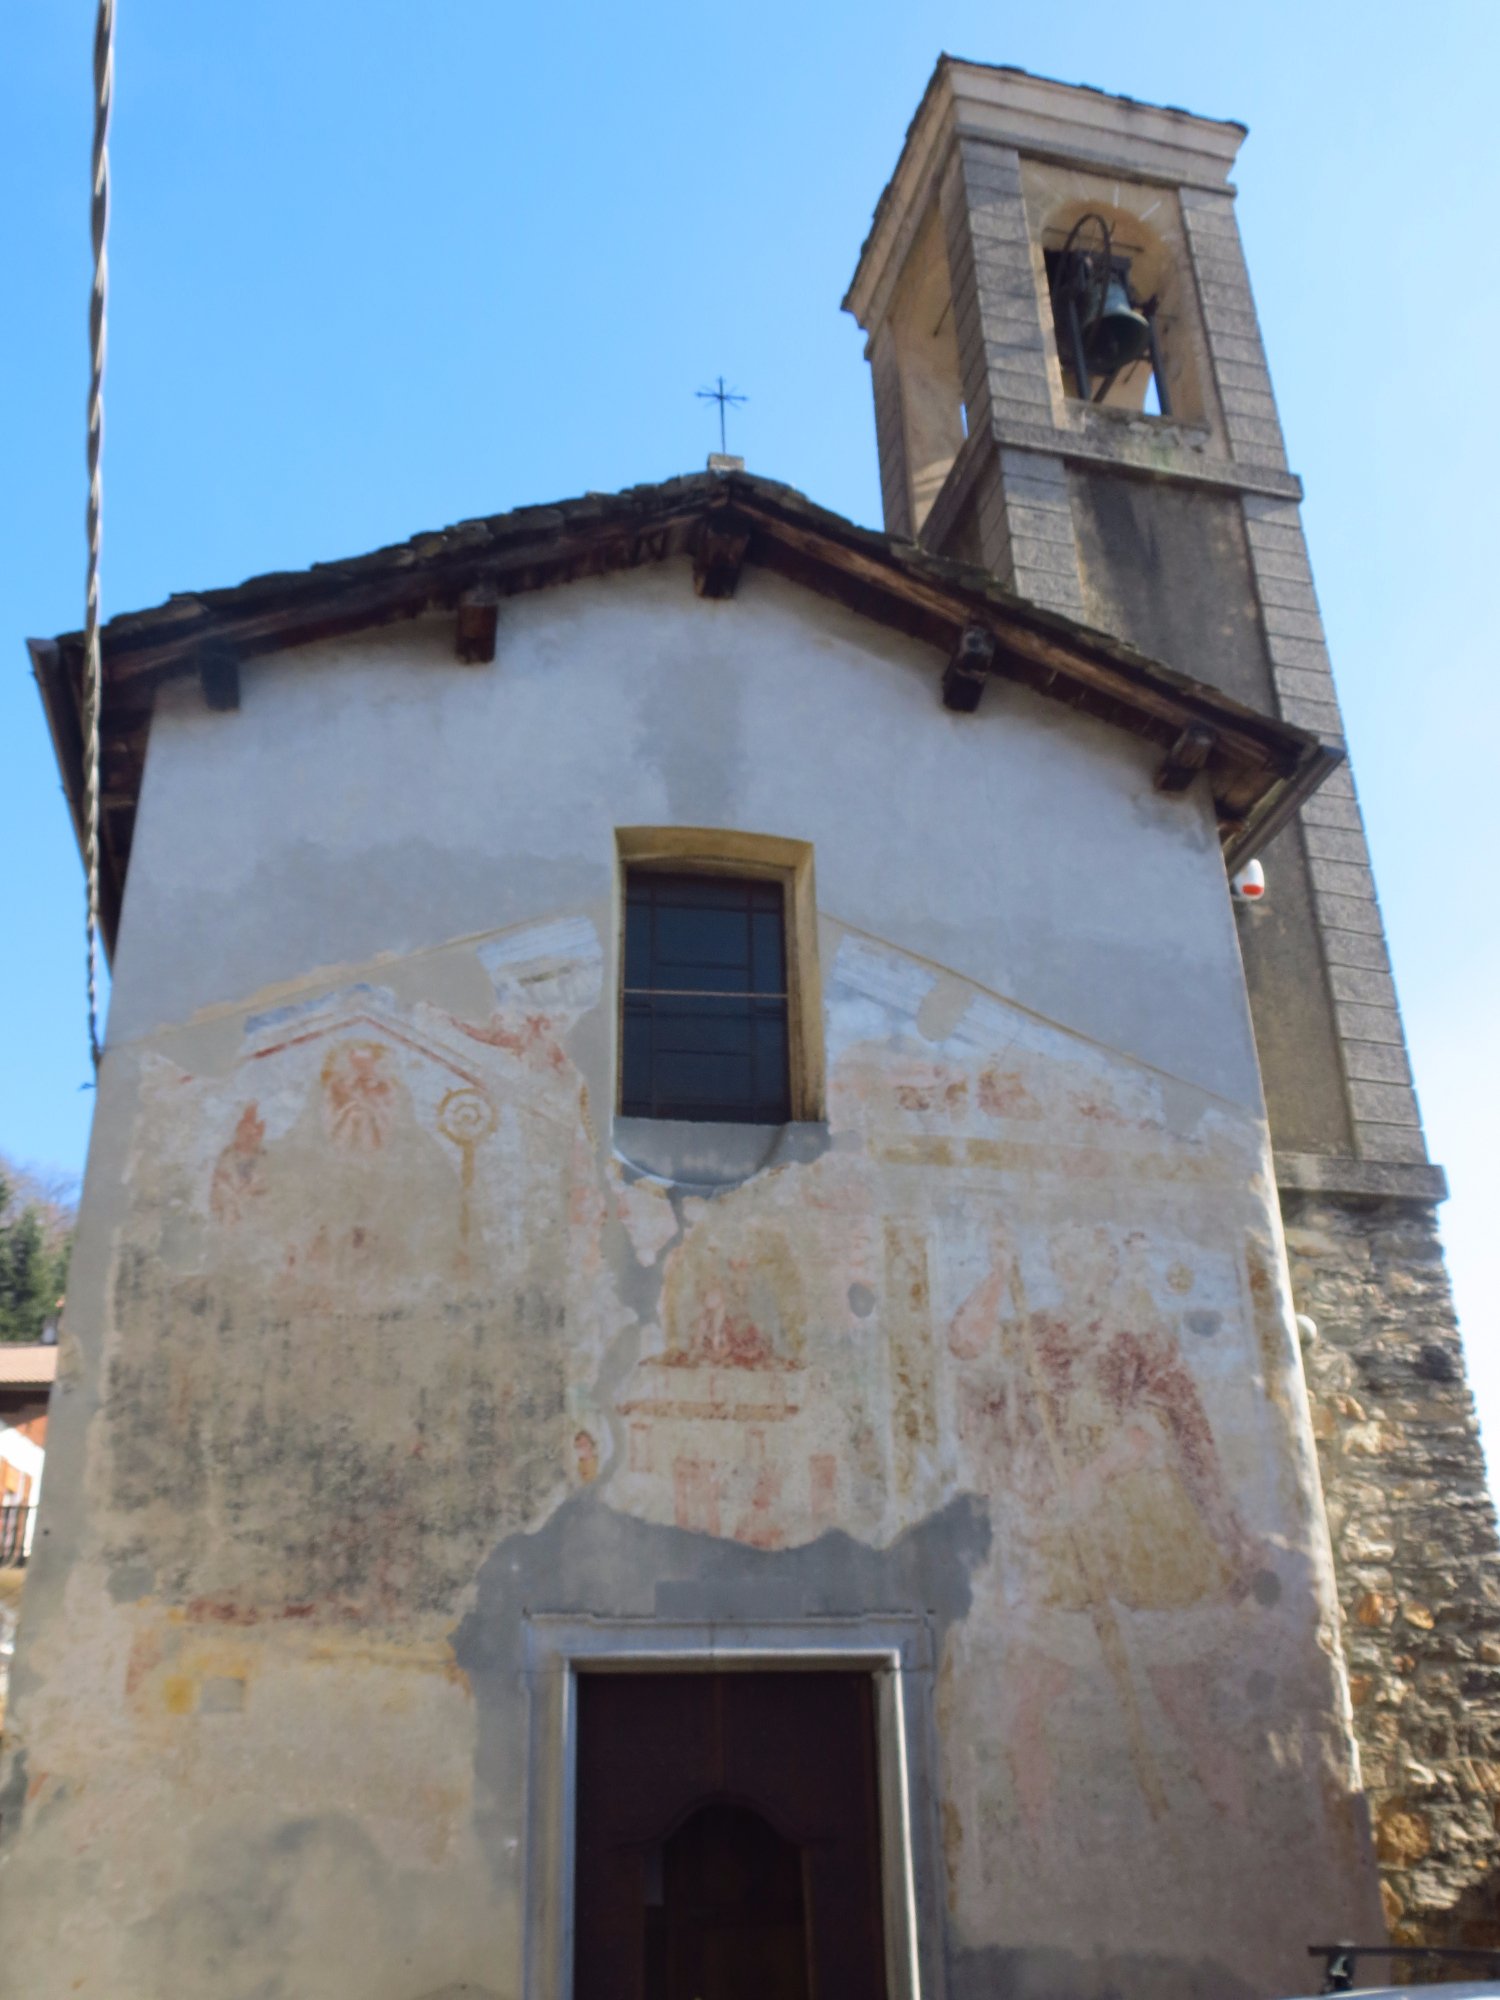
[378,267]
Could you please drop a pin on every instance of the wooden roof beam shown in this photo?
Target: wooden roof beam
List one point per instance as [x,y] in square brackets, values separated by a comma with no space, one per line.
[719,553]
[219,678]
[1186,758]
[968,669]
[478,624]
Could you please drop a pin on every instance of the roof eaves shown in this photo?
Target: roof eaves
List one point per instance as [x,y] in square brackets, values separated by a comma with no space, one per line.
[1263,766]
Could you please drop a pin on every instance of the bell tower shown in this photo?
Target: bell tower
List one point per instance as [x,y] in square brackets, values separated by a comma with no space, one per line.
[1071,391]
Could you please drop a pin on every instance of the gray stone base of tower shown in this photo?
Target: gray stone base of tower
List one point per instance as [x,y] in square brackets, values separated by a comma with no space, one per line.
[1414,1535]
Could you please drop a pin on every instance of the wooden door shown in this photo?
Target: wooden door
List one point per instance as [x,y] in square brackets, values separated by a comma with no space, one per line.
[728,1842]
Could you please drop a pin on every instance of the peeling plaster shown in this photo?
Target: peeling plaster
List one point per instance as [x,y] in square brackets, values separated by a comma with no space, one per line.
[590,1556]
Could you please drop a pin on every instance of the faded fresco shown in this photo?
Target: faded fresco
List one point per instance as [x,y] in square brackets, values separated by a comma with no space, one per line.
[384,1295]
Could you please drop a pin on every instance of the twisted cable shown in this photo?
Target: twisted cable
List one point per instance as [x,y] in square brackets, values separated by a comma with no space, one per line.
[93,663]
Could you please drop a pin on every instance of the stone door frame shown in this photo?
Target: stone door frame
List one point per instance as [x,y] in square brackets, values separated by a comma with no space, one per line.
[895,1649]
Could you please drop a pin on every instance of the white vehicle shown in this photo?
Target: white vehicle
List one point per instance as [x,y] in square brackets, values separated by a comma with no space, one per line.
[1484,1989]
[1342,1968]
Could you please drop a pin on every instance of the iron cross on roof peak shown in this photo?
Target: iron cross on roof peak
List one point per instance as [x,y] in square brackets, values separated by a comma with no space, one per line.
[723,397]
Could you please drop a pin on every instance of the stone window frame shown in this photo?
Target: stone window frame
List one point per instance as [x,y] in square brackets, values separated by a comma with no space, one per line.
[895,1649]
[689,850]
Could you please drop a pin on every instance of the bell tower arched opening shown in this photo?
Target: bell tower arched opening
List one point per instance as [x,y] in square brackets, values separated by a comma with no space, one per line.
[1119,310]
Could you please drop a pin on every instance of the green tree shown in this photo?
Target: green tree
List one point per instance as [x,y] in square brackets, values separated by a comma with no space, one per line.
[35,1238]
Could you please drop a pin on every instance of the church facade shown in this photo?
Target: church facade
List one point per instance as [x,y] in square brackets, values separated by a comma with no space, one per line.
[681,1374]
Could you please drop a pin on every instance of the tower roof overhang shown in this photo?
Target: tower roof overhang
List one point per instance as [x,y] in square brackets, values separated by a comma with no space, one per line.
[1258,768]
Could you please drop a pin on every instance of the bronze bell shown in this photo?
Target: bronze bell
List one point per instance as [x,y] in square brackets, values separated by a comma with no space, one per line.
[1119,335]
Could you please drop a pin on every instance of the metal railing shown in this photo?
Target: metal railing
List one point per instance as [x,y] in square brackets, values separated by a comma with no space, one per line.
[16,1527]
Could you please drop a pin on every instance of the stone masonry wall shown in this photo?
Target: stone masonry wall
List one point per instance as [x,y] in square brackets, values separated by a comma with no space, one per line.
[1414,1539]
